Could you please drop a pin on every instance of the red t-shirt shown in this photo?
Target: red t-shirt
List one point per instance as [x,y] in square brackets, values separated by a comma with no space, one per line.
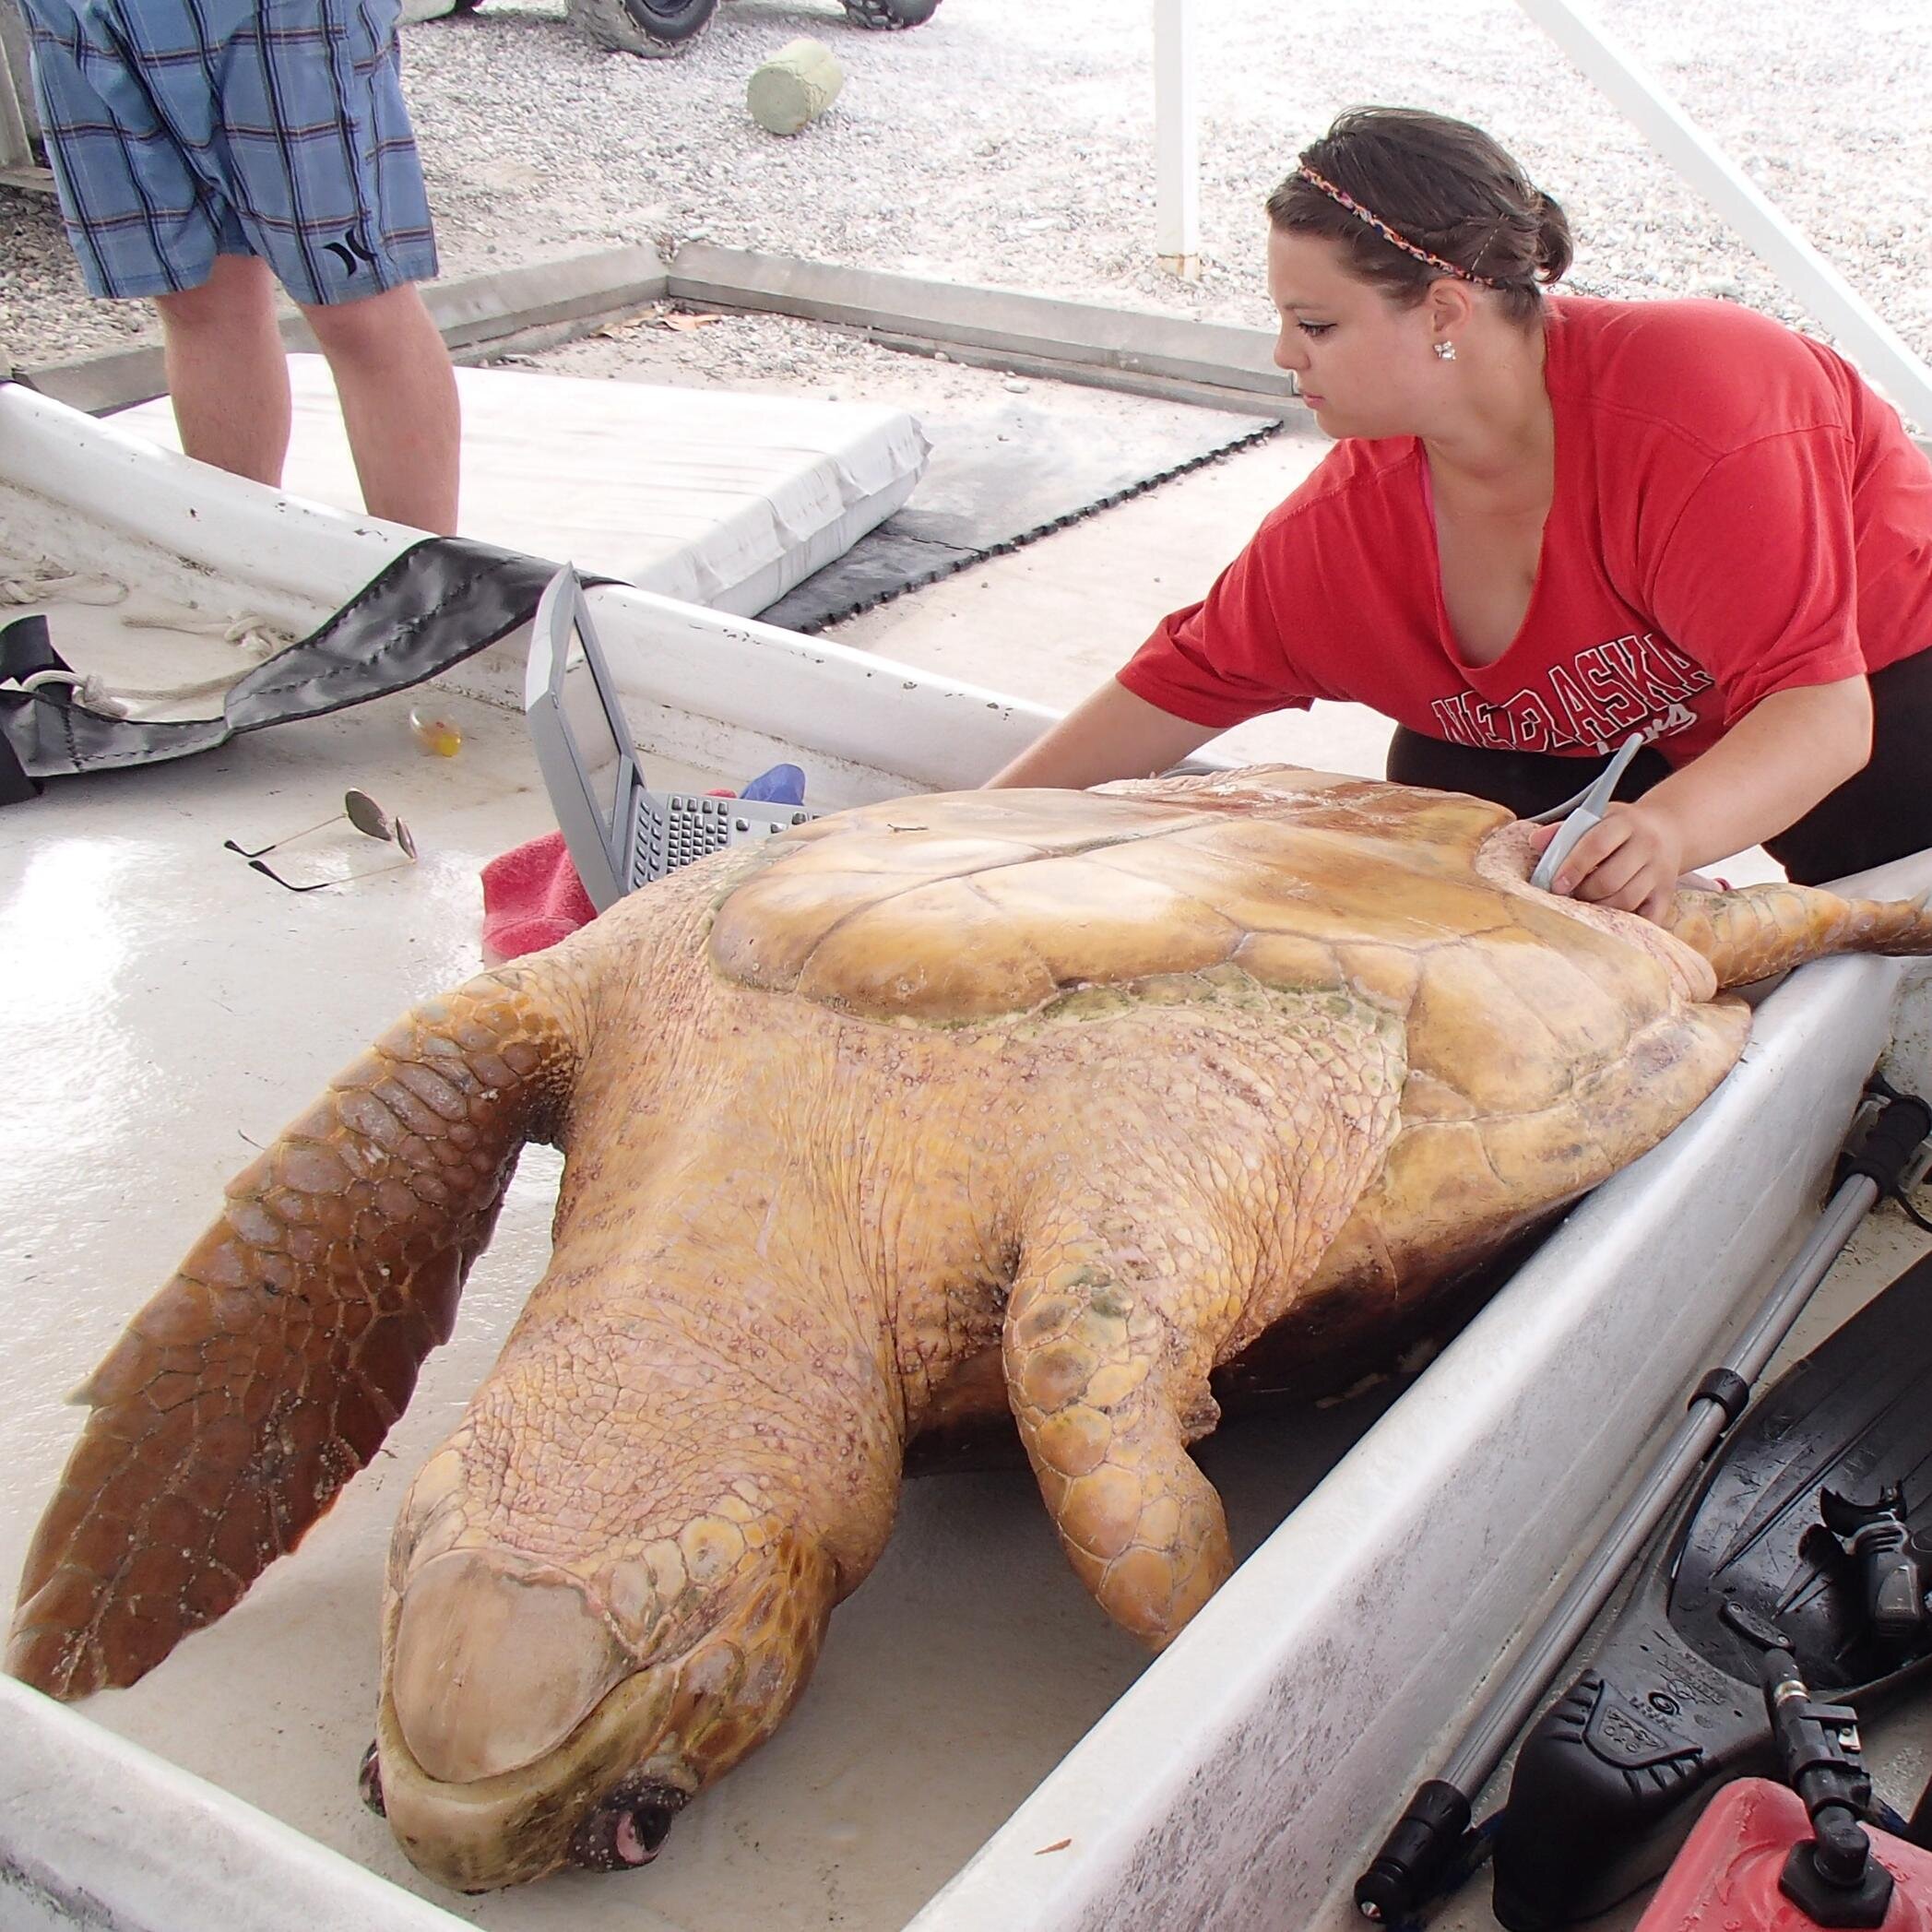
[1735,513]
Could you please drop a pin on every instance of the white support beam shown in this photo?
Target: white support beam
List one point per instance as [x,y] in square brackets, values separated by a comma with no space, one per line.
[1878,350]
[1177,149]
[18,122]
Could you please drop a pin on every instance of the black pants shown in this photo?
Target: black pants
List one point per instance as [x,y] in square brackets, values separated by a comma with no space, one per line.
[1881,813]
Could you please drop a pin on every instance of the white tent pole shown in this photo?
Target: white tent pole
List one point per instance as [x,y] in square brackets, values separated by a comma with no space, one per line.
[1177,155]
[1880,353]
[17,123]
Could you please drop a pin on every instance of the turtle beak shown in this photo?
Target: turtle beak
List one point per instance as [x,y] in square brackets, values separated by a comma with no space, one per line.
[628,1828]
[369,1781]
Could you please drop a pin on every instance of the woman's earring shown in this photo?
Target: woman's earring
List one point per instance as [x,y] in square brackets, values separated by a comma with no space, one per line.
[1446,351]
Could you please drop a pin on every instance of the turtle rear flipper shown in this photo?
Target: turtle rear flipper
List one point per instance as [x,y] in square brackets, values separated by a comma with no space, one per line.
[1754,933]
[269,1369]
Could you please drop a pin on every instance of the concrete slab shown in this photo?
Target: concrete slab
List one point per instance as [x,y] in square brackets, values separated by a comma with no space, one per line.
[1202,362]
[471,311]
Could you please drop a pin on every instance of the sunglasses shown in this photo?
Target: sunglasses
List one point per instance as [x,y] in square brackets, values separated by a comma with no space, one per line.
[364,814]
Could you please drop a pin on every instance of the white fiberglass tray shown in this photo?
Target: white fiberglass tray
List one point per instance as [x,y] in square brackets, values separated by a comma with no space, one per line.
[182,1009]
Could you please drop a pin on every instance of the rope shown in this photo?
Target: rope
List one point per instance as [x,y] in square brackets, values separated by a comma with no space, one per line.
[44,581]
[257,637]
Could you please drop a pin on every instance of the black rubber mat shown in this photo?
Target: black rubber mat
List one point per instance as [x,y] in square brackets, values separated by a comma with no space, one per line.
[1000,478]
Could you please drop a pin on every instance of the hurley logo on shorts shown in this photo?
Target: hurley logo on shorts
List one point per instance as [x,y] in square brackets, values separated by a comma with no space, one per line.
[353,248]
[1596,700]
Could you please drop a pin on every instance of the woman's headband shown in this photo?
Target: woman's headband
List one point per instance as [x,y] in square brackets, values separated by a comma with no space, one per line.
[1343,199]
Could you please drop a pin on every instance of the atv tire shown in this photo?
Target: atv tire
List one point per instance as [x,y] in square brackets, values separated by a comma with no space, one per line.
[888,15]
[654,29]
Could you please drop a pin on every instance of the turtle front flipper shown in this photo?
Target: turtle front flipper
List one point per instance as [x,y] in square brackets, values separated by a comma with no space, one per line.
[1091,1388]
[1202,1157]
[1761,930]
[268,1369]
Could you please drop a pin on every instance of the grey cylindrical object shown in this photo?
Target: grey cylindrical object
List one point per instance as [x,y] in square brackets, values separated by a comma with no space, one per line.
[1508,1705]
[796,85]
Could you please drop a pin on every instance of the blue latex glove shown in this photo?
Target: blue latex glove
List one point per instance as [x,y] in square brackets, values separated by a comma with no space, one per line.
[782,784]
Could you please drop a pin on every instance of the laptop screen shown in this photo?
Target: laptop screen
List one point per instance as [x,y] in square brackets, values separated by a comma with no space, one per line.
[581,705]
[583,742]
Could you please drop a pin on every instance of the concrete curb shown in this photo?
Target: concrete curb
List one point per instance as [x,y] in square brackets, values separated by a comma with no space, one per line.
[1165,356]
[473,311]
[1168,355]
[1211,363]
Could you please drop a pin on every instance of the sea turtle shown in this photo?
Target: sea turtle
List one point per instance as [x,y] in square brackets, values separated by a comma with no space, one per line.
[1046,1101]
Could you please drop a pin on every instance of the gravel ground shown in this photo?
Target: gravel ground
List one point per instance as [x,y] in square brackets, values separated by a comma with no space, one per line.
[1008,143]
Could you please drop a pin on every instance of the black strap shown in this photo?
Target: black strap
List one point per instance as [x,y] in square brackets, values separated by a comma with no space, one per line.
[440,601]
[15,785]
[1728,1389]
[25,648]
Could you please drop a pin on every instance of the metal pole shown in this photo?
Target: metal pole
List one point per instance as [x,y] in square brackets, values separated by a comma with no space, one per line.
[1416,1855]
[1510,1704]
[1177,157]
[1878,350]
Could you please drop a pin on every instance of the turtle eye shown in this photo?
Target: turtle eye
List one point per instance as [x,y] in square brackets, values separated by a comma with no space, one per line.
[628,1829]
[641,1832]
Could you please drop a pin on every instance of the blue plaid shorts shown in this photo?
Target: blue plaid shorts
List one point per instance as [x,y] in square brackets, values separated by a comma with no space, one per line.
[184,129]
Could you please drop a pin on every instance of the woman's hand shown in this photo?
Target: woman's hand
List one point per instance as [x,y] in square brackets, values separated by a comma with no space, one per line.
[1791,750]
[1630,861]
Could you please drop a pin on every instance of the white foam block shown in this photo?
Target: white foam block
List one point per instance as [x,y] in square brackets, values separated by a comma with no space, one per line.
[709,495]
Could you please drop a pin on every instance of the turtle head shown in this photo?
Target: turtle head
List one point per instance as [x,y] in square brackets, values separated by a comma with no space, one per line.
[541,1712]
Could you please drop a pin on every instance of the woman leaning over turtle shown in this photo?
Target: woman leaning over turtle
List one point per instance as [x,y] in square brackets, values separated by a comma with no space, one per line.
[1549,522]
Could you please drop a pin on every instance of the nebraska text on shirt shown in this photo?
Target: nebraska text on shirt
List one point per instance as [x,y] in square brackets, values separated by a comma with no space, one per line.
[1597,699]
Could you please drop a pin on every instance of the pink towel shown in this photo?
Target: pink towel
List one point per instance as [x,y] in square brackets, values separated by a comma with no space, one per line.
[532,897]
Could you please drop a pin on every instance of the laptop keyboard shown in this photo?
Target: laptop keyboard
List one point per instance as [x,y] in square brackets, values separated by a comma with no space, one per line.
[675,827]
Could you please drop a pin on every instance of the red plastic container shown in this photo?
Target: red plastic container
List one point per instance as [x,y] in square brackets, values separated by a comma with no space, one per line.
[1725,1878]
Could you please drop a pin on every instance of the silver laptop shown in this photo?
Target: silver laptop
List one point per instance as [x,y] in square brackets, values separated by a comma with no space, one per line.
[620,833]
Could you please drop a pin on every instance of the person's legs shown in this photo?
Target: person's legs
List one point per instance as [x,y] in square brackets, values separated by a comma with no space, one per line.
[129,142]
[398,396]
[321,167]
[1885,811]
[227,370]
